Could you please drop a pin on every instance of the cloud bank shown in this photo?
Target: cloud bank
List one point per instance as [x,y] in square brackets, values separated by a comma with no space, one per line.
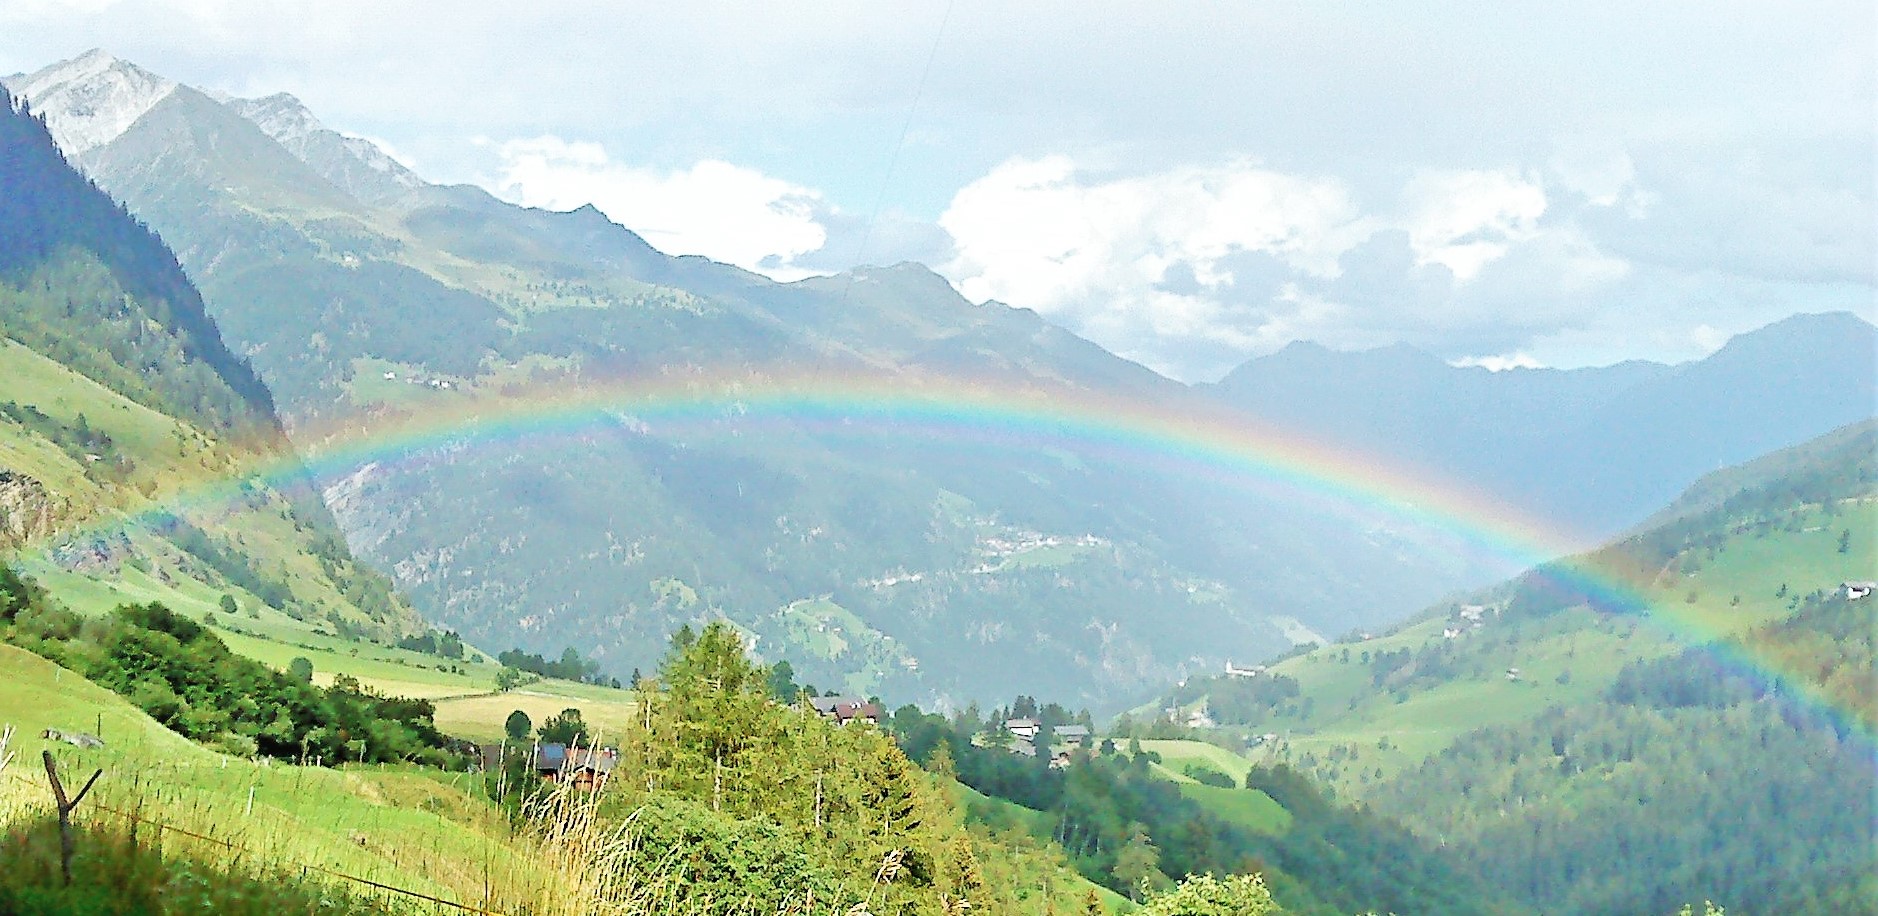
[1192,270]
[1191,186]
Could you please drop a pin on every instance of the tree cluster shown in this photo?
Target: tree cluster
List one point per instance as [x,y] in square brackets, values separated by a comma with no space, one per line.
[757,805]
[183,676]
[571,666]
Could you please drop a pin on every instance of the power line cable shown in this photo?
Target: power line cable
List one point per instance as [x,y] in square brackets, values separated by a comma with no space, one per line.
[893,160]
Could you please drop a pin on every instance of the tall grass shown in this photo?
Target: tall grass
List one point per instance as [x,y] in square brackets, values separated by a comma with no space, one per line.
[600,869]
[182,840]
[118,871]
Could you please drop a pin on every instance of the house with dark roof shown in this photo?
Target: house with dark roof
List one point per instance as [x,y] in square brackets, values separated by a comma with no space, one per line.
[584,767]
[843,710]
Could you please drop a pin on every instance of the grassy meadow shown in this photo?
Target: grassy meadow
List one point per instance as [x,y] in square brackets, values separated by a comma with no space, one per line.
[1354,733]
[385,824]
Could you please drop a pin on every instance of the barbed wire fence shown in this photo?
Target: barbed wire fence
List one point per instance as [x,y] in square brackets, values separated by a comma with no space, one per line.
[306,869]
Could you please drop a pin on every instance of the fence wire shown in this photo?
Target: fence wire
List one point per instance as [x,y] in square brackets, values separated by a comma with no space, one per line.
[302,866]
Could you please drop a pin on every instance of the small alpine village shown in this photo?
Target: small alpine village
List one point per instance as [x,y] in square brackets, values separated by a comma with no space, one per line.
[1274,474]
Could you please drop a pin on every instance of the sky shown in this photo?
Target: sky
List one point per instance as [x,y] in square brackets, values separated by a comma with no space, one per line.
[1187,184]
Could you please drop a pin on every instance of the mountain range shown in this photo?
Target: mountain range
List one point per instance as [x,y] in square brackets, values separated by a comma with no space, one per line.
[120,406]
[1624,438]
[431,338]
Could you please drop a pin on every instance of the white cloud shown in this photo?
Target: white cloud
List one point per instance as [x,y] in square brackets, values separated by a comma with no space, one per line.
[1499,363]
[1605,178]
[1140,262]
[1464,220]
[1193,269]
[716,209]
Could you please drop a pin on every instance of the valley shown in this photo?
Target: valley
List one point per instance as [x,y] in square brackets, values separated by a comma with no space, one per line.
[389,547]
[616,417]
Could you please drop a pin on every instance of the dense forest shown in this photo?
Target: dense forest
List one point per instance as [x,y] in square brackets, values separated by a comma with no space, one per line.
[85,283]
[1688,781]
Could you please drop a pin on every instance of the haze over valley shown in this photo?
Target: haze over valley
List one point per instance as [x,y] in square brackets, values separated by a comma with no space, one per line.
[1358,527]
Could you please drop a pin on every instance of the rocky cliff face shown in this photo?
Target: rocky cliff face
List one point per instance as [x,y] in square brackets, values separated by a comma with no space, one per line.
[27,512]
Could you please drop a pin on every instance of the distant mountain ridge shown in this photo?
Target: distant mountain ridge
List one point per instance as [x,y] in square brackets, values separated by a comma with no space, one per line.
[1592,449]
[91,99]
[343,282]
[355,165]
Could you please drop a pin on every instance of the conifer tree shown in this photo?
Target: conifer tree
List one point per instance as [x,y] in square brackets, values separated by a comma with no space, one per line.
[518,726]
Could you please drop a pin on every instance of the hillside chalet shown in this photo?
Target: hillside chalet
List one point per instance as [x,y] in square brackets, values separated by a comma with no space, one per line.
[843,710]
[582,767]
[585,768]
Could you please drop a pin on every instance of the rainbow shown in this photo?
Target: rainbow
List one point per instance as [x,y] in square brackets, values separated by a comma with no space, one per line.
[1191,440]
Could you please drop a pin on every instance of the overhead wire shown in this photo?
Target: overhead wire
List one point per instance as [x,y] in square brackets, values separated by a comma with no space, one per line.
[893,160]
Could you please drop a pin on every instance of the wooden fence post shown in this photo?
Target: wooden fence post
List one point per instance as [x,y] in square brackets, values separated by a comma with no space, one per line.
[65,811]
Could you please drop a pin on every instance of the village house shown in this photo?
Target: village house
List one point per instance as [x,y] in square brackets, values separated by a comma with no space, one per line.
[1024,728]
[1025,731]
[1857,590]
[843,710]
[1076,735]
[584,768]
[1234,671]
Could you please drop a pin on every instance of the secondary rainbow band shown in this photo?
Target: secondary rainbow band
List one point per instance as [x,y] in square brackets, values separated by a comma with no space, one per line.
[1196,440]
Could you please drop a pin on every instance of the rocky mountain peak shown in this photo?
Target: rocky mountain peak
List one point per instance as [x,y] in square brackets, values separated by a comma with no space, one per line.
[353,163]
[92,99]
[281,116]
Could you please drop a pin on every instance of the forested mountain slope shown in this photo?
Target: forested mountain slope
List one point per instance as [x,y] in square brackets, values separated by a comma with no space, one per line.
[121,410]
[1012,533]
[1682,714]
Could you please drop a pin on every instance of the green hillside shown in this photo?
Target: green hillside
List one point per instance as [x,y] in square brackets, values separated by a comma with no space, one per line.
[417,832]
[1539,726]
[1359,711]
[112,518]
[140,460]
